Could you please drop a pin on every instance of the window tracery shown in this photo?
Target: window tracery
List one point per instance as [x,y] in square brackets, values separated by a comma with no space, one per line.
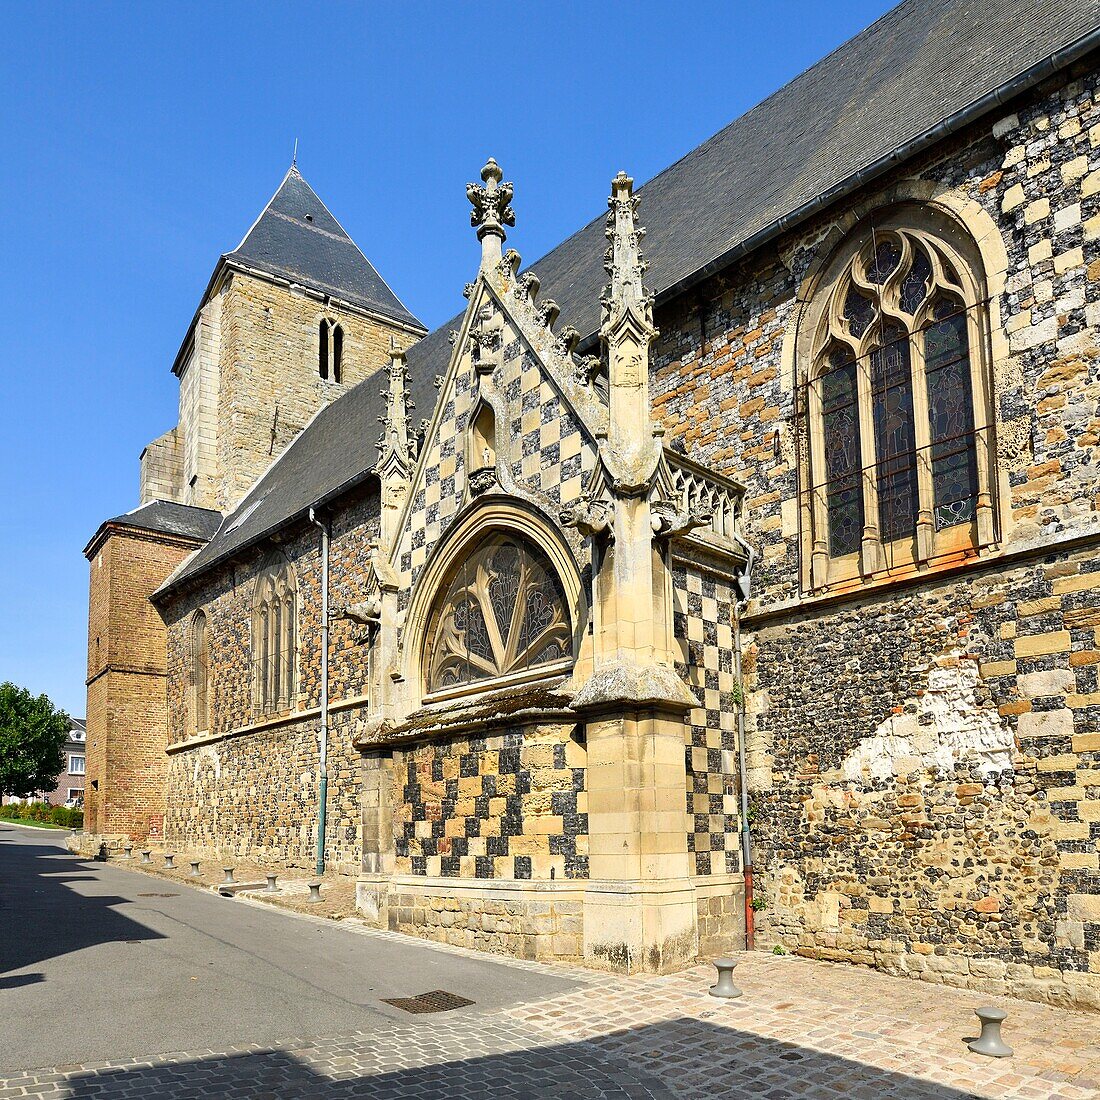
[330,351]
[898,423]
[274,639]
[502,616]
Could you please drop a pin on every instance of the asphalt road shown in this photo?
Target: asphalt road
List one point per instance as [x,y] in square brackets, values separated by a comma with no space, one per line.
[93,968]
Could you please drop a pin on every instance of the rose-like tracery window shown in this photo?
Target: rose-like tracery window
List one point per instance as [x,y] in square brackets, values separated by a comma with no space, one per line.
[502,615]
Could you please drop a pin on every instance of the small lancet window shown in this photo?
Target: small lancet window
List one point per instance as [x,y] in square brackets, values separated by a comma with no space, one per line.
[200,671]
[330,349]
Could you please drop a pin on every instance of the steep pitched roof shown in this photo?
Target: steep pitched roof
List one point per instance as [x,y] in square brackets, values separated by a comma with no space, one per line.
[298,238]
[918,73]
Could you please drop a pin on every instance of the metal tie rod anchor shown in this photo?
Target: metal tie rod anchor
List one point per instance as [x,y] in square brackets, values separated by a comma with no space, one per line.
[169,860]
[271,888]
[314,891]
[146,856]
[990,1042]
[724,987]
[229,879]
[194,869]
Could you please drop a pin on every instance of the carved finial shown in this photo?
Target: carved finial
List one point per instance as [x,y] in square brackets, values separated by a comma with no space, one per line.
[491,212]
[623,260]
[397,447]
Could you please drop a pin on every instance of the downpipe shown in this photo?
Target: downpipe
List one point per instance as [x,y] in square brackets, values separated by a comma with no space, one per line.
[744,590]
[322,792]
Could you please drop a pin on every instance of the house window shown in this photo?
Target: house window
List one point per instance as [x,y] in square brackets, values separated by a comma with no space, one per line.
[200,671]
[274,639]
[501,618]
[898,464]
[76,764]
[330,352]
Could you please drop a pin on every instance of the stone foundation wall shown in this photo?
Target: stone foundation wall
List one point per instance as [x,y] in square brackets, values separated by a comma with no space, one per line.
[526,921]
[721,907]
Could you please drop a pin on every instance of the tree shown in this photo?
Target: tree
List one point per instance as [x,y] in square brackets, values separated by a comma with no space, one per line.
[33,733]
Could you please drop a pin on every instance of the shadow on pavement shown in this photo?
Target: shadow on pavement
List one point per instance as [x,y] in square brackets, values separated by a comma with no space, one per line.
[677,1058]
[43,917]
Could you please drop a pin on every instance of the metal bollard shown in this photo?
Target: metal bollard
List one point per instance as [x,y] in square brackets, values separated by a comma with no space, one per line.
[129,850]
[169,861]
[314,891]
[990,1042]
[229,879]
[146,856]
[194,869]
[271,887]
[724,987]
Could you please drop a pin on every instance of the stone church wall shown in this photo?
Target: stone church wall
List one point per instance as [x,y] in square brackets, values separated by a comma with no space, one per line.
[248,785]
[922,752]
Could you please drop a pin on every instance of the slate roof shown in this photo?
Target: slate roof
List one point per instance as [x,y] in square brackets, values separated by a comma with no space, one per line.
[298,238]
[923,64]
[168,518]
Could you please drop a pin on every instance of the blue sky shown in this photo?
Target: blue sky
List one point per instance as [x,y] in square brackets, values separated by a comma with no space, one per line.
[141,141]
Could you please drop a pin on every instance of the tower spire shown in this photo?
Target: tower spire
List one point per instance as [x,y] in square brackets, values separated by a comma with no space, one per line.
[491,212]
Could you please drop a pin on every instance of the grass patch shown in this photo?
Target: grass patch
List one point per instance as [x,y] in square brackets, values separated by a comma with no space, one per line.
[36,825]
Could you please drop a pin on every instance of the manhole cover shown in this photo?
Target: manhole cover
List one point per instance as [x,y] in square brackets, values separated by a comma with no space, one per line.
[158,895]
[439,1000]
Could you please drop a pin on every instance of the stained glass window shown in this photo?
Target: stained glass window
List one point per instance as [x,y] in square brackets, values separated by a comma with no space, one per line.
[950,415]
[274,638]
[844,490]
[895,442]
[502,614]
[200,656]
[897,328]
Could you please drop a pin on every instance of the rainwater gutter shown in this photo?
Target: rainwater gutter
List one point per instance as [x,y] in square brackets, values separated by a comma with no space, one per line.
[322,792]
[744,590]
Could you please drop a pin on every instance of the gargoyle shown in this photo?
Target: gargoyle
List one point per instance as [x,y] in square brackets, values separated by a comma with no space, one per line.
[591,518]
[668,522]
[367,613]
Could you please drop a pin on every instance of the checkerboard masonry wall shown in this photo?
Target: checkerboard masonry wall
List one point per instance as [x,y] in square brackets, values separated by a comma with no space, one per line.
[923,761]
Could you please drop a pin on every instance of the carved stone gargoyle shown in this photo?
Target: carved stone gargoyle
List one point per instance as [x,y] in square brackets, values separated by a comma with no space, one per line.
[367,613]
[669,523]
[591,518]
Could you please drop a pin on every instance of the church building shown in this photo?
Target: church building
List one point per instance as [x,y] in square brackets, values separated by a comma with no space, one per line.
[729,576]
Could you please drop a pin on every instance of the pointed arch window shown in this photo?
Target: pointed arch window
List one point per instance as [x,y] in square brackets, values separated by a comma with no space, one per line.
[274,639]
[897,399]
[200,671]
[502,617]
[330,350]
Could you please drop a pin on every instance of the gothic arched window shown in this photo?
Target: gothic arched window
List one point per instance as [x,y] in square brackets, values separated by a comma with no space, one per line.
[330,350]
[274,639]
[897,403]
[501,617]
[200,671]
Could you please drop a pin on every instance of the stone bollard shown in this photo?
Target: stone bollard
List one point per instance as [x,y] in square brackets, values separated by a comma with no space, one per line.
[724,987]
[170,860]
[129,850]
[147,856]
[990,1042]
[194,869]
[229,879]
[314,891]
[271,888]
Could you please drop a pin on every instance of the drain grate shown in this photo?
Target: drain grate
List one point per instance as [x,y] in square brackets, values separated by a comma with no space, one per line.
[158,895]
[439,1000]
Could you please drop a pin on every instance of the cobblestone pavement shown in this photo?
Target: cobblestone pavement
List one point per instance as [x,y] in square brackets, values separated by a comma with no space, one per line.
[802,1029]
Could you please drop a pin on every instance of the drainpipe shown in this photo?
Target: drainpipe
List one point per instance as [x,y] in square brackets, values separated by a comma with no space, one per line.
[322,793]
[744,589]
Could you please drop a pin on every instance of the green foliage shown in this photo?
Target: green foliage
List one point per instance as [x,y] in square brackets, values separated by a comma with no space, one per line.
[32,736]
[42,813]
[759,903]
[779,950]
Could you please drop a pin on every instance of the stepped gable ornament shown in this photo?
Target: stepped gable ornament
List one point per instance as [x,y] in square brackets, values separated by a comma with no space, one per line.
[491,212]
